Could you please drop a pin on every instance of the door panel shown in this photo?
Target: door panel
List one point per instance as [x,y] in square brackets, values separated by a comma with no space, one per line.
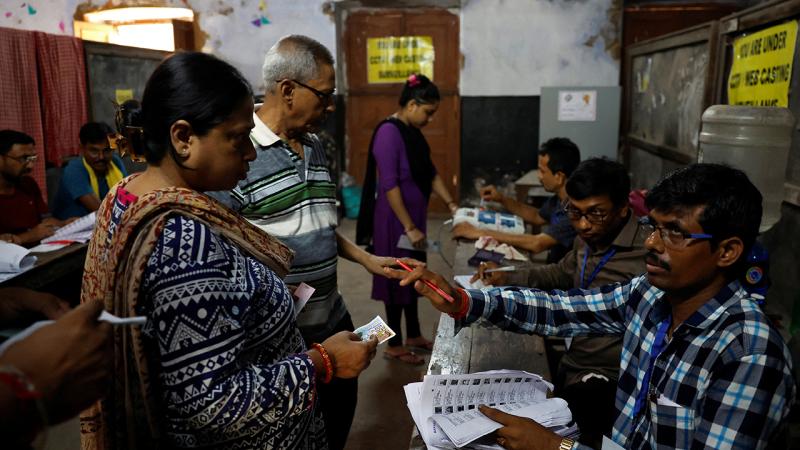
[368,104]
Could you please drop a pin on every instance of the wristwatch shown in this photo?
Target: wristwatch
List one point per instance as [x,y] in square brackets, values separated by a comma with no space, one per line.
[566,444]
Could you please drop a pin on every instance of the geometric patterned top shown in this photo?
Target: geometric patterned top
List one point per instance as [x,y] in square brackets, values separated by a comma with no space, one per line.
[231,369]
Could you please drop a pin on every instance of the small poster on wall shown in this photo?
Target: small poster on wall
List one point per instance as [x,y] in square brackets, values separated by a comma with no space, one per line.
[762,67]
[577,106]
[391,59]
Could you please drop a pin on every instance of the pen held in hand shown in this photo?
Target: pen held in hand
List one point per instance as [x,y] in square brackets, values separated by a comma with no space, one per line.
[427,283]
[501,269]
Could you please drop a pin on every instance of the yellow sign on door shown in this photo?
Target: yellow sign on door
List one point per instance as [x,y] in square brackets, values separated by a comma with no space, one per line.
[392,59]
[762,67]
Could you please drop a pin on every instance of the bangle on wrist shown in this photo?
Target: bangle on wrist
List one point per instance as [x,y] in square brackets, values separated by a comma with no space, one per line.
[464,305]
[23,389]
[326,359]
[410,229]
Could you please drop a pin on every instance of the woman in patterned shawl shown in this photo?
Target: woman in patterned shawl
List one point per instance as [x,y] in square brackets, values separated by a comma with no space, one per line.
[220,362]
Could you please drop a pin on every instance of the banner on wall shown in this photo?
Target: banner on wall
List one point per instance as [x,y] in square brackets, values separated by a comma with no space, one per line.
[391,59]
[762,67]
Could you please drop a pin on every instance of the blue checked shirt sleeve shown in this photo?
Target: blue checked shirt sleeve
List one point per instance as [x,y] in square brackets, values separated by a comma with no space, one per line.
[745,403]
[576,312]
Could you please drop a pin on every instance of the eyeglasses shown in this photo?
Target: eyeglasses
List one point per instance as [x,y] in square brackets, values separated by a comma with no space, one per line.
[670,237]
[593,216]
[25,159]
[324,97]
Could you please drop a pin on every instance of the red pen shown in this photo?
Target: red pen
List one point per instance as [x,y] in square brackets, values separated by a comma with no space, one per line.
[428,283]
[60,242]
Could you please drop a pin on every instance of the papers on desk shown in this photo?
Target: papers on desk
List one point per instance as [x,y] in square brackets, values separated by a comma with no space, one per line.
[14,260]
[445,407]
[77,231]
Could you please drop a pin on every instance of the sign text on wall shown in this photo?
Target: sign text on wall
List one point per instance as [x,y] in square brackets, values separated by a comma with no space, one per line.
[762,67]
[392,59]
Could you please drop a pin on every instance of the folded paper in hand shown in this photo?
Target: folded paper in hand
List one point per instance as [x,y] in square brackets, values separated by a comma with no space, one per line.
[377,328]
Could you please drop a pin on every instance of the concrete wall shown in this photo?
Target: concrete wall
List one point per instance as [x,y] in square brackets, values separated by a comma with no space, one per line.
[513,48]
[230,27]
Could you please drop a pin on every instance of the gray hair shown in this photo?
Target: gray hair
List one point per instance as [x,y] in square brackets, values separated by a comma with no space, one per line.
[294,57]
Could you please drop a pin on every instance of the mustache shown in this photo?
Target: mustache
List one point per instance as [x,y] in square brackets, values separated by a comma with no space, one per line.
[653,259]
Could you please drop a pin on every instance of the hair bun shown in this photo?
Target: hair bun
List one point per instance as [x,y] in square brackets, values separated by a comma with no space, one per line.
[129,120]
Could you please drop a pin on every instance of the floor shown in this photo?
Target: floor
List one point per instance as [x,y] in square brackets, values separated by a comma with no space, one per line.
[382,419]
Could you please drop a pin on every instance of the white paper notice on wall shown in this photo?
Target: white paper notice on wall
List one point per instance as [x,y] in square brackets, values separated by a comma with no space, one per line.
[577,106]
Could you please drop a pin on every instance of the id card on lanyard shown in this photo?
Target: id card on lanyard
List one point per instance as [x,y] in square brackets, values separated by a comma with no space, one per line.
[658,346]
[607,257]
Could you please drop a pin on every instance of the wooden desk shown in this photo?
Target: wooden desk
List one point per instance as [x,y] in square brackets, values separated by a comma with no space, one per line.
[58,272]
[481,346]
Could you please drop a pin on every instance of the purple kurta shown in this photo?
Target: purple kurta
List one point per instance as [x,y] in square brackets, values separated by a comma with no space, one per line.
[393,170]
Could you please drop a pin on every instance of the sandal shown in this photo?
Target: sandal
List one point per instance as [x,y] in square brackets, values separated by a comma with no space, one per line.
[406,357]
[427,346]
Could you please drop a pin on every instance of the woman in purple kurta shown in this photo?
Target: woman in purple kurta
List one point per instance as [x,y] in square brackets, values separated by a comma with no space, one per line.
[400,178]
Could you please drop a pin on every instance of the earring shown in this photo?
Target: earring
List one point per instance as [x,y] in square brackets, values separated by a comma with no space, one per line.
[184,151]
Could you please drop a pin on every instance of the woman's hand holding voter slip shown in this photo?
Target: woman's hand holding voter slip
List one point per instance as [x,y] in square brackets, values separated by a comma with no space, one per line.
[375,328]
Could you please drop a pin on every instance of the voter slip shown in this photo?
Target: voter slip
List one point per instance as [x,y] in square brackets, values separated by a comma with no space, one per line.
[377,328]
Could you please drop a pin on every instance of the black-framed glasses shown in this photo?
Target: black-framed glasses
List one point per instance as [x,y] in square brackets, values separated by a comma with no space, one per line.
[593,216]
[24,159]
[324,97]
[670,237]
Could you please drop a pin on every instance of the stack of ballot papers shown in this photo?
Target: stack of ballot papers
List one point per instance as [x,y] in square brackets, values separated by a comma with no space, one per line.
[77,231]
[445,407]
[14,260]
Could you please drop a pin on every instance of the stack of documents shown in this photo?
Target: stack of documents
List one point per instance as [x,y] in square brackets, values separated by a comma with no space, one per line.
[77,231]
[14,260]
[445,407]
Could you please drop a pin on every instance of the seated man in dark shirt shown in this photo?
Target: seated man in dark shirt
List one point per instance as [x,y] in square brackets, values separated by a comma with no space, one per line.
[86,180]
[558,158]
[22,209]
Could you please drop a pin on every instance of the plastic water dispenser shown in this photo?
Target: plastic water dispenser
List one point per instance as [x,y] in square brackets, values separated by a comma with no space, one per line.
[755,140]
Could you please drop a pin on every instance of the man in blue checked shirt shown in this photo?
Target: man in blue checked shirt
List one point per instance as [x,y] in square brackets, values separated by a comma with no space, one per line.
[701,366]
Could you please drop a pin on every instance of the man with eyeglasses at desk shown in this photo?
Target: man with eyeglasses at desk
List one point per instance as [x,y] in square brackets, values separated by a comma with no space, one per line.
[609,249]
[86,180]
[23,212]
[702,366]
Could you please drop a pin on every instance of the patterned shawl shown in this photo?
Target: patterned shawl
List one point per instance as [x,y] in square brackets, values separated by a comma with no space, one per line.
[129,418]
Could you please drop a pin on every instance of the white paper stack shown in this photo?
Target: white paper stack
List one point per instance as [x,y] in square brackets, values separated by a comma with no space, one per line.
[445,407]
[14,260]
[77,231]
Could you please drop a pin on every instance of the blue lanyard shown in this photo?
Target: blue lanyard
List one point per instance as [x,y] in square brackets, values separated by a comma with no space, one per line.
[609,254]
[658,347]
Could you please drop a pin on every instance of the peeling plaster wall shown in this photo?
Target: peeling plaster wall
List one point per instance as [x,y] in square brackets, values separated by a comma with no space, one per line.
[50,16]
[233,36]
[229,25]
[514,47]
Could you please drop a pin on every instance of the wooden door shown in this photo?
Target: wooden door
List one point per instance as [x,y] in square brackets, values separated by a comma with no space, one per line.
[367,104]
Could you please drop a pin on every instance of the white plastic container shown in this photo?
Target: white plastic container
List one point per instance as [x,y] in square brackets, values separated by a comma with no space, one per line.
[755,140]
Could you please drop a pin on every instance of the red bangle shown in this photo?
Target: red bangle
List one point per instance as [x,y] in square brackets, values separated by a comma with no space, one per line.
[20,385]
[465,300]
[327,360]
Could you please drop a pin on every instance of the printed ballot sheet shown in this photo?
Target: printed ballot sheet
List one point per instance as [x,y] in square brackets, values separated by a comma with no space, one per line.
[445,407]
